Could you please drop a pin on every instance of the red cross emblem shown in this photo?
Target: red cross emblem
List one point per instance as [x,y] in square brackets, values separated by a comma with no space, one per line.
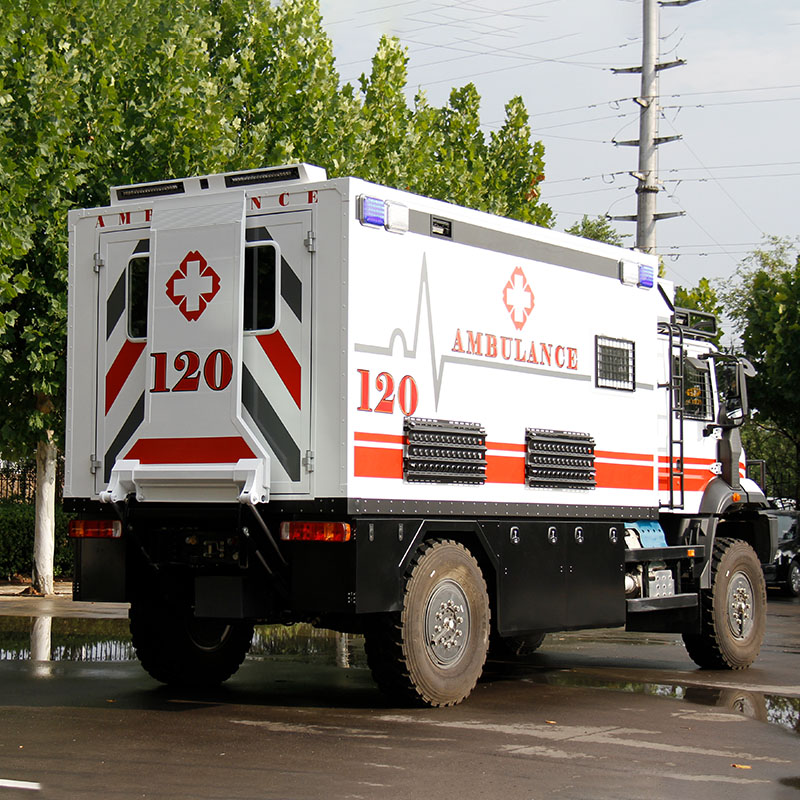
[518,298]
[193,285]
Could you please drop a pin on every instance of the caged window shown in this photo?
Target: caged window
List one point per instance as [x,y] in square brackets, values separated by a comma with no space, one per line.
[260,286]
[696,392]
[615,364]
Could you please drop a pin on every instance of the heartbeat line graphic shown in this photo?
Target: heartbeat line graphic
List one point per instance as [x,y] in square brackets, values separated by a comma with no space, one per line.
[438,365]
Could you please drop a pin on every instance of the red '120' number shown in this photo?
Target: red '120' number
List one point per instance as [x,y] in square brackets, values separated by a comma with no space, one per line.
[407,394]
[217,371]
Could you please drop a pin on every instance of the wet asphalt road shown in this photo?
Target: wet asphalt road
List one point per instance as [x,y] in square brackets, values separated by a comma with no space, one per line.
[593,715]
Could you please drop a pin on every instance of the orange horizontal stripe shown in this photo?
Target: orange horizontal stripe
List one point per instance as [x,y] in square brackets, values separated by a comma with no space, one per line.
[389,438]
[505,469]
[623,476]
[516,448]
[377,462]
[644,457]
[703,462]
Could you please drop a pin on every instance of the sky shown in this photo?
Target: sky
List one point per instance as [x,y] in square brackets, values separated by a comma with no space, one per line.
[736,104]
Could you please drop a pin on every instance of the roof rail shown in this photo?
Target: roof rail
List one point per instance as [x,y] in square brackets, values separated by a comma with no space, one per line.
[695,324]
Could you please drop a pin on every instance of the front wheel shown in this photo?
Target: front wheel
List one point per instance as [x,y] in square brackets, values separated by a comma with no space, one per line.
[181,650]
[432,652]
[733,611]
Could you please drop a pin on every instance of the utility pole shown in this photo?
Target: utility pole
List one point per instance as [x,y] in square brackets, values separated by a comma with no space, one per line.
[647,187]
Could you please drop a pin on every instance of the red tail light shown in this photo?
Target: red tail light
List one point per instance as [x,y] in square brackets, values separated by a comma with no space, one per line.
[315,532]
[95,529]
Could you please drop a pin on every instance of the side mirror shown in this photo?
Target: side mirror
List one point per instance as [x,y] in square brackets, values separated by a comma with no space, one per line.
[732,389]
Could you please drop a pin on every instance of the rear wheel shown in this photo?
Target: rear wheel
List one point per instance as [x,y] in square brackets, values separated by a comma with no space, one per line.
[178,649]
[733,610]
[792,585]
[432,652]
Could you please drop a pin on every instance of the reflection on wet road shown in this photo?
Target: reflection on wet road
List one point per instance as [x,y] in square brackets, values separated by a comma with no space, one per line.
[108,640]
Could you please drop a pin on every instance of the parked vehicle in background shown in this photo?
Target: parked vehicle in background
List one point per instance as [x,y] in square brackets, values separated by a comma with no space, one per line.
[784,569]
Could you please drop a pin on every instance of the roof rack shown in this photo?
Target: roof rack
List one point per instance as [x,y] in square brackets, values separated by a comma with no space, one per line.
[695,324]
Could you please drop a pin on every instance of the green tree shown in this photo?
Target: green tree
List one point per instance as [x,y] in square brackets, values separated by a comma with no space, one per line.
[764,303]
[92,97]
[599,229]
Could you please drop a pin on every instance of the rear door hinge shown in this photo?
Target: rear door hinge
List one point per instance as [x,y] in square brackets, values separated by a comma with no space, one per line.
[94,464]
[311,242]
[98,262]
[308,460]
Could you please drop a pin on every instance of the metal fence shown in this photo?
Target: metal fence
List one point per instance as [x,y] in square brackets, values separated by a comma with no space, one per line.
[18,480]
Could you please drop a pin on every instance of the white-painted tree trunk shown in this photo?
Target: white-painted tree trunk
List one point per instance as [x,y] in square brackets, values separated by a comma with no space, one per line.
[44,536]
[41,638]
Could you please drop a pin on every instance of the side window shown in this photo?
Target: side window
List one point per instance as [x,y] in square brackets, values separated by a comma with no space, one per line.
[696,393]
[260,308]
[615,366]
[138,286]
[261,282]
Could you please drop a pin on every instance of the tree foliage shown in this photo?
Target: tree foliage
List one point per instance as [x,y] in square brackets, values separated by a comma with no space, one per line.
[98,94]
[764,303]
[599,229]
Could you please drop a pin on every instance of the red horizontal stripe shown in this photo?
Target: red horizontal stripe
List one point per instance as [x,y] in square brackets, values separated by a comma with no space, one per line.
[206,450]
[388,438]
[377,462]
[121,369]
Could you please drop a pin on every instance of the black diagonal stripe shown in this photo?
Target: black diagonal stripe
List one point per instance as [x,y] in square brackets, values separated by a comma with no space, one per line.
[115,305]
[291,289]
[143,246]
[270,425]
[127,430]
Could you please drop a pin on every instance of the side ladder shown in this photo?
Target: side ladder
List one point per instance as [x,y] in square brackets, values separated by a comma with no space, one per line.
[675,387]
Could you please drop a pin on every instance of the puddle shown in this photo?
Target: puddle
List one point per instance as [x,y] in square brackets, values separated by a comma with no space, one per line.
[774,709]
[87,640]
[76,639]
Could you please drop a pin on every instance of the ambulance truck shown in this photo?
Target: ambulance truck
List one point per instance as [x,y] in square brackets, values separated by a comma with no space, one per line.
[295,399]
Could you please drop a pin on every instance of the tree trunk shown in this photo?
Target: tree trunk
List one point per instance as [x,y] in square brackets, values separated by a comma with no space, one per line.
[44,536]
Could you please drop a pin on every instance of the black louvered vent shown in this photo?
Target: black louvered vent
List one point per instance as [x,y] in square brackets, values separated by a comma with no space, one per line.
[559,459]
[441,451]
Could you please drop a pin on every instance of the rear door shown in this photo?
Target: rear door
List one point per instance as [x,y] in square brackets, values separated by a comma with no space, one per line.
[276,374]
[121,344]
[170,424]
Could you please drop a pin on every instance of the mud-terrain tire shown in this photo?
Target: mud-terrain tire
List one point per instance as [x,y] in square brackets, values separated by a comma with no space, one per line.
[732,611]
[792,585]
[432,652]
[177,649]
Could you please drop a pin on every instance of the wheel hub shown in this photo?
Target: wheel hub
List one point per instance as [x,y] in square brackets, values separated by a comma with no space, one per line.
[740,605]
[447,624]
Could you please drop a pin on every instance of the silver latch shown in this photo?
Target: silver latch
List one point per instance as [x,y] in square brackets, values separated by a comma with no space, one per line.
[98,262]
[308,460]
[311,242]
